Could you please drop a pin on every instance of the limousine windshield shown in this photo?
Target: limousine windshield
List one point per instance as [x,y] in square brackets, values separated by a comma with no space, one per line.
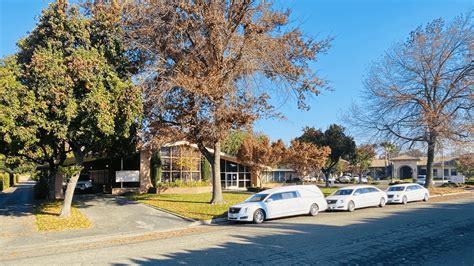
[257,198]
[344,192]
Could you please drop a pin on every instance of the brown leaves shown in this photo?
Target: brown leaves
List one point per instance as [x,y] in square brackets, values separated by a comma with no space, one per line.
[306,158]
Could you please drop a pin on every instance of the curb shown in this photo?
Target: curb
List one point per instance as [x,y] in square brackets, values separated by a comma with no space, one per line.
[213,221]
[450,194]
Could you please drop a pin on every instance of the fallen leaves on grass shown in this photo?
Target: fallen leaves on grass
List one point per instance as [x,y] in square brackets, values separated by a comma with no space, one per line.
[446,190]
[47,218]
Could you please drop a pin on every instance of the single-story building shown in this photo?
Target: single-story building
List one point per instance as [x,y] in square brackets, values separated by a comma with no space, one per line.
[405,166]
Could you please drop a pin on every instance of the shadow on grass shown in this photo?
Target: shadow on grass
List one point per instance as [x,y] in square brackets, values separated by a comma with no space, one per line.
[440,234]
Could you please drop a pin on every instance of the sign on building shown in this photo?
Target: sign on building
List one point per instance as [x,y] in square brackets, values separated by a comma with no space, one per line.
[127,176]
[457,179]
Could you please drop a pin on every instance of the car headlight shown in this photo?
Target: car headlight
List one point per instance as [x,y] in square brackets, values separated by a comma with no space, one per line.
[397,196]
[246,210]
[341,201]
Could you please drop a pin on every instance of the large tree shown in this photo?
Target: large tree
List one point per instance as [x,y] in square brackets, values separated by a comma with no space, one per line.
[342,146]
[207,67]
[421,91]
[259,154]
[306,158]
[361,159]
[74,65]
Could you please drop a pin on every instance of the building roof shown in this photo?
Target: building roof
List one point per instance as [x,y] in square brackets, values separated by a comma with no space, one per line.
[405,158]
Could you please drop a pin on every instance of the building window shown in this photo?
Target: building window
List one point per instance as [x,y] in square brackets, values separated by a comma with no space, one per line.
[454,172]
[435,172]
[180,163]
[446,172]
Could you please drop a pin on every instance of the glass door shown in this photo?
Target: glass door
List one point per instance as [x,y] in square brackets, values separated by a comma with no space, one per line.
[231,180]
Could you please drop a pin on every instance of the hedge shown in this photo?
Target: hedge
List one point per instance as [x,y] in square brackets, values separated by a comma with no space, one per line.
[4,181]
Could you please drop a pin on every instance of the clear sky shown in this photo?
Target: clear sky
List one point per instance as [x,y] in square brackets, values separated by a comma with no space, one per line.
[362,29]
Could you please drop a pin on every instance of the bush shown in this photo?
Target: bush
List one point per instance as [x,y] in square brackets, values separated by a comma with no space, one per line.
[451,184]
[205,170]
[255,189]
[4,181]
[41,187]
[179,183]
[369,178]
[294,180]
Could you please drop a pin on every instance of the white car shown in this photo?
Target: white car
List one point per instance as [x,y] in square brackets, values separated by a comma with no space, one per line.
[403,193]
[345,179]
[279,202]
[354,197]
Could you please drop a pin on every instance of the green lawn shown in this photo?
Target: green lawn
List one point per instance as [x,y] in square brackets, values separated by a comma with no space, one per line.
[194,206]
[328,190]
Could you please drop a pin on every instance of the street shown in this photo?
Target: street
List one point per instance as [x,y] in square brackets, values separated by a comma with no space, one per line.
[439,232]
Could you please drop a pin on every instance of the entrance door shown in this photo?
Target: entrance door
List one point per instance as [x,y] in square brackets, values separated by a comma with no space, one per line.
[231,180]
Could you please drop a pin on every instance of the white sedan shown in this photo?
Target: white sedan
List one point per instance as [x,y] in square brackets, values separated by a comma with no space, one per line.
[354,197]
[279,202]
[403,193]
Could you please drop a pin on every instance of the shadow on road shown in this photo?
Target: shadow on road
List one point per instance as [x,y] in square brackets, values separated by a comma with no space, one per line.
[435,234]
[19,202]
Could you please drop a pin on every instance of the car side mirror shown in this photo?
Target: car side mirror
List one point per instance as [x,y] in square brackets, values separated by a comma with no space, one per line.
[269,200]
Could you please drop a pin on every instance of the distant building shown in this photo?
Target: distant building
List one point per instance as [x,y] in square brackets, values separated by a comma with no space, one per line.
[405,166]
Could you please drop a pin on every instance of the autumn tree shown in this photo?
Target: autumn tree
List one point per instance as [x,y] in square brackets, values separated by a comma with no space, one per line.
[306,158]
[342,146]
[465,164]
[259,155]
[421,91]
[362,158]
[74,66]
[206,67]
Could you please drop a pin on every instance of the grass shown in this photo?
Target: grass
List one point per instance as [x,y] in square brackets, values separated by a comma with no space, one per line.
[445,190]
[47,218]
[194,206]
[328,190]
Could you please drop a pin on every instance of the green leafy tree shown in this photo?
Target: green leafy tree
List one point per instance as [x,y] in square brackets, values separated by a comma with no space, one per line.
[232,142]
[341,145]
[84,98]
[361,159]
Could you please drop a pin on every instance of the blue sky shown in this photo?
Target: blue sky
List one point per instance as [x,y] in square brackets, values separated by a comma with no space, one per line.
[362,30]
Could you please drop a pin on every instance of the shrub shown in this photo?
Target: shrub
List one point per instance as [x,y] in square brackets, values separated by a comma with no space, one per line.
[180,183]
[294,180]
[255,189]
[369,178]
[205,170]
[452,184]
[41,186]
[4,181]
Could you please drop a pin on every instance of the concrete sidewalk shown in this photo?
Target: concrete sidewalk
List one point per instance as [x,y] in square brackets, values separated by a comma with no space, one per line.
[16,213]
[112,217]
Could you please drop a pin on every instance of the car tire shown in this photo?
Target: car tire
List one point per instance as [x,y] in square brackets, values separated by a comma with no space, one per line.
[314,209]
[259,216]
[426,198]
[404,200]
[350,206]
[382,202]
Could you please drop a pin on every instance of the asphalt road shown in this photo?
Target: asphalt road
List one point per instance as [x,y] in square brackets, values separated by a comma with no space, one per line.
[440,233]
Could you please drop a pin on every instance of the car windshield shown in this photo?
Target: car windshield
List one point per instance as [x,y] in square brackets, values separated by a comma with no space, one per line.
[396,188]
[257,197]
[344,192]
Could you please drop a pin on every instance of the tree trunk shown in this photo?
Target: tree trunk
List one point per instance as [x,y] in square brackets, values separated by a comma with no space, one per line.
[326,175]
[71,185]
[429,161]
[52,181]
[216,176]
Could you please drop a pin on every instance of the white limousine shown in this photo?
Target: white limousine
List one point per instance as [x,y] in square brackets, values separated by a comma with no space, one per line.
[354,197]
[403,193]
[279,202]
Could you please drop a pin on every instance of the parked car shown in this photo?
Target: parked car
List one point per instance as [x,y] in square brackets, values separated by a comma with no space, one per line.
[279,202]
[84,184]
[354,197]
[344,179]
[421,179]
[404,193]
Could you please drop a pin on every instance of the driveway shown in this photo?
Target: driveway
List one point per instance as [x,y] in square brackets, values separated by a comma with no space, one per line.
[16,212]
[111,216]
[437,233]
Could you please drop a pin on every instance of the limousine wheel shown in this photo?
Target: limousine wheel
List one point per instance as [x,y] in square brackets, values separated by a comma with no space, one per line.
[382,202]
[314,209]
[351,206]
[404,200]
[426,197]
[258,216]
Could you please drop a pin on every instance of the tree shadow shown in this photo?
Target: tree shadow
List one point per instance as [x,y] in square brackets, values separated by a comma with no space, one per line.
[435,234]
[19,202]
